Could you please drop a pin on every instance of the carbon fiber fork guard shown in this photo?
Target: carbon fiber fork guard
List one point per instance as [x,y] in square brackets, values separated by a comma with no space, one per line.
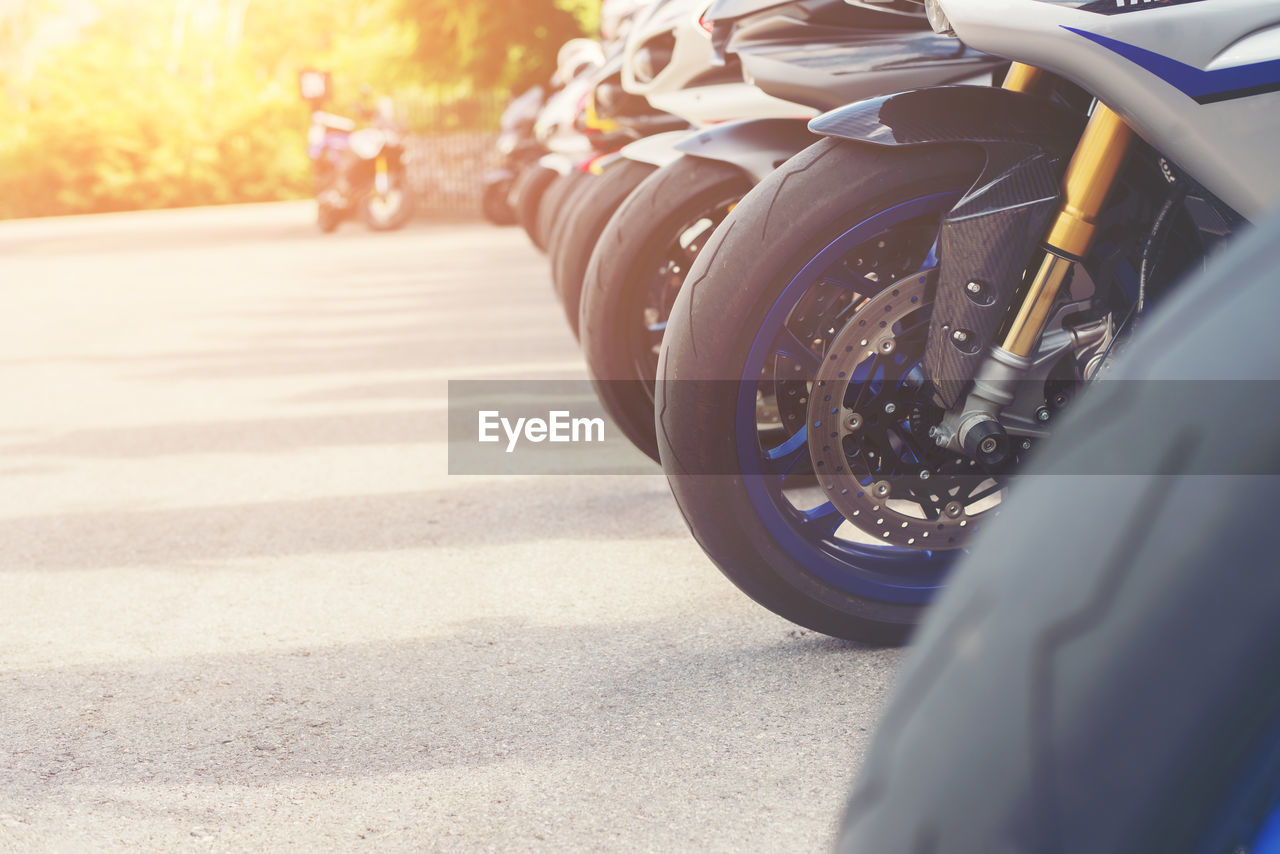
[992,233]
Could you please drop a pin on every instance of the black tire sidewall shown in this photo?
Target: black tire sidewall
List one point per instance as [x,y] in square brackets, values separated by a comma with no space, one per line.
[620,270]
[496,206]
[528,191]
[402,215]
[583,227]
[781,225]
[554,201]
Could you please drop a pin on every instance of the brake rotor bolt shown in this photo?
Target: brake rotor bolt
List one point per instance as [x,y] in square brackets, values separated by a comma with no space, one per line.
[1043,414]
[925,474]
[954,510]
[881,489]
[854,422]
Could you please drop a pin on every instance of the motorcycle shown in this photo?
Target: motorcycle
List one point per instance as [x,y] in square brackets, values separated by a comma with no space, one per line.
[667,64]
[587,119]
[889,323]
[555,131]
[519,149]
[813,55]
[358,170]
[1104,661]
[609,118]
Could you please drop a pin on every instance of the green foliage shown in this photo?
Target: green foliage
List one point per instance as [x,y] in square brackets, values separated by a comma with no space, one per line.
[505,44]
[127,104]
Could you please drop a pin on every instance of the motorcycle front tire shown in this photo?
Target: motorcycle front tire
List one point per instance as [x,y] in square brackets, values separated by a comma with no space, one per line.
[582,227]
[778,228]
[399,217]
[621,269]
[555,200]
[495,204]
[526,196]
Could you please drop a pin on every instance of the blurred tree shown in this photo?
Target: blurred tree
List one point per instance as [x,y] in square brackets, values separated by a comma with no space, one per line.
[123,104]
[509,44]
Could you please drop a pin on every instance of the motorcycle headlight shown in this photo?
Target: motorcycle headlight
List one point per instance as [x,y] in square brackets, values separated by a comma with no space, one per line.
[938,18]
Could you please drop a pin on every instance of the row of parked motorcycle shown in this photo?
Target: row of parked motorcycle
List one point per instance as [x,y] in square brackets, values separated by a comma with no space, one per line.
[843,266]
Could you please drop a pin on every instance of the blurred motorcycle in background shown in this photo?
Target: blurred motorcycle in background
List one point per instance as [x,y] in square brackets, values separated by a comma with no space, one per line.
[519,149]
[359,166]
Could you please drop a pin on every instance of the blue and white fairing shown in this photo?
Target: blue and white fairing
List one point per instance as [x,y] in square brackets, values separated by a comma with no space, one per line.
[1198,80]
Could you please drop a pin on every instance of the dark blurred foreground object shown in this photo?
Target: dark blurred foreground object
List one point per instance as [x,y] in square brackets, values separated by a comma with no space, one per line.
[358,170]
[1101,675]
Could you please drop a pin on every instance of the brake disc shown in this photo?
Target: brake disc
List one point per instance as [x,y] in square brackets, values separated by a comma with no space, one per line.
[869,416]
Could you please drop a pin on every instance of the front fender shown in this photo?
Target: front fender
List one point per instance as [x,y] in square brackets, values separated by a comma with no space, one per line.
[556,162]
[983,115]
[756,146]
[657,150]
[993,232]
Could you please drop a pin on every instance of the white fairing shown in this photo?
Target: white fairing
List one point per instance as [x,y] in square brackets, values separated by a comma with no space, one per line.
[555,127]
[692,57]
[727,102]
[1228,145]
[575,57]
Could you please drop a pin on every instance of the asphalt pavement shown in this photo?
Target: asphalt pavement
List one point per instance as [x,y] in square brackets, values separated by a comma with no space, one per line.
[244,606]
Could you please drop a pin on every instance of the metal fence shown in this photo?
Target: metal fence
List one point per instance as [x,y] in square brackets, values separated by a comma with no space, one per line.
[451,144]
[446,172]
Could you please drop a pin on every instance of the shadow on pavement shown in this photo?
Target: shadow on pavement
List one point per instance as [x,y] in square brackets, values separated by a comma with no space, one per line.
[460,516]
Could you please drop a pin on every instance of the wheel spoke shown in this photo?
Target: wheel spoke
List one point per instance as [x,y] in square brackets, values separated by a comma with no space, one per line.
[867,379]
[911,442]
[986,493]
[842,277]
[783,459]
[930,262]
[824,520]
[796,350]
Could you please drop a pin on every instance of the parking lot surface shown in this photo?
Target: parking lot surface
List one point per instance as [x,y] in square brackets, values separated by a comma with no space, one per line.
[245,606]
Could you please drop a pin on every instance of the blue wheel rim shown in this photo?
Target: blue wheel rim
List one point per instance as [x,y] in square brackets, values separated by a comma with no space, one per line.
[1268,839]
[1249,816]
[882,573]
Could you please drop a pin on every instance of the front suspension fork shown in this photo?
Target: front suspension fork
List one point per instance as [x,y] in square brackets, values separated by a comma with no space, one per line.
[1089,179]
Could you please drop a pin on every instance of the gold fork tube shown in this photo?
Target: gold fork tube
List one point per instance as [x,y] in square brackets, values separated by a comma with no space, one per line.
[1022,77]
[1024,335]
[1092,172]
[1089,179]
